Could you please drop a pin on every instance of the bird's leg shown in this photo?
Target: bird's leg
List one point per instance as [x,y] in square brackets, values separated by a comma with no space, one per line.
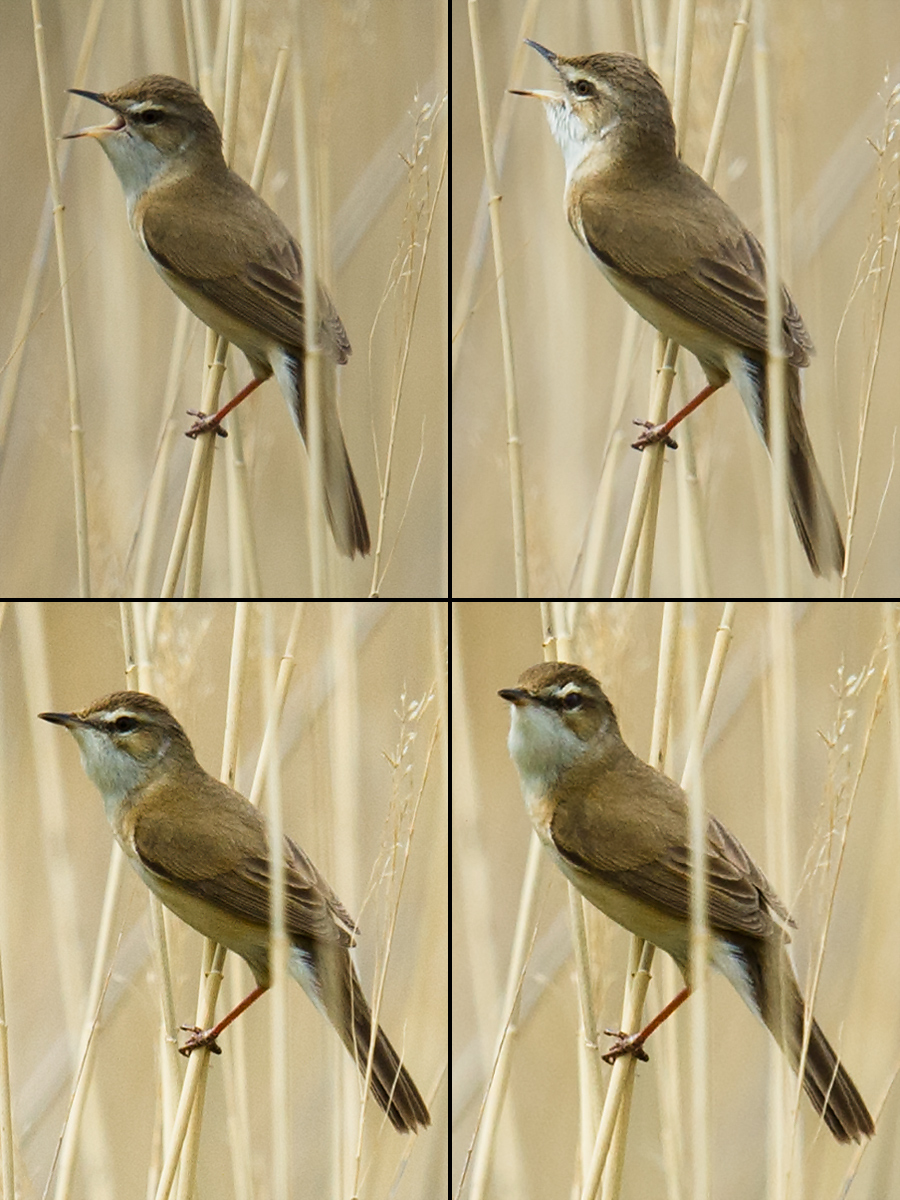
[206,424]
[660,433]
[207,1037]
[634,1043]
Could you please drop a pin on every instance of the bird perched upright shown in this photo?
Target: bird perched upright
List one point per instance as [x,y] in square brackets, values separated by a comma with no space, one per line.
[231,261]
[618,830]
[203,850]
[680,256]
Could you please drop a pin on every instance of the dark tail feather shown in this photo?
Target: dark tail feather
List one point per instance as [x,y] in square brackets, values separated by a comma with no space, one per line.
[810,505]
[343,502]
[833,1093]
[811,508]
[349,1012]
[392,1084]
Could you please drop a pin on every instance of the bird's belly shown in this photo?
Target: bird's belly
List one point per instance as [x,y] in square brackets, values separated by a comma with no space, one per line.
[646,921]
[254,343]
[243,937]
[710,349]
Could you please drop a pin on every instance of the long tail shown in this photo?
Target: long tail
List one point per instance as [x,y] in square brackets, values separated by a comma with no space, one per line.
[392,1084]
[329,978]
[831,1090]
[343,502]
[810,505]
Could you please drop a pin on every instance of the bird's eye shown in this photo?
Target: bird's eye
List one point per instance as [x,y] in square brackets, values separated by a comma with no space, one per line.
[152,116]
[125,724]
[571,701]
[583,87]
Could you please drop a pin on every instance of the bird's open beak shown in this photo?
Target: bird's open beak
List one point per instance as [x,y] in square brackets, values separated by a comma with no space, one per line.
[97,131]
[552,59]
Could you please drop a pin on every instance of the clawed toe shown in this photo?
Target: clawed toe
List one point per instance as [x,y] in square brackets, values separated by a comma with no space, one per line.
[625,1043]
[200,1038]
[203,425]
[651,435]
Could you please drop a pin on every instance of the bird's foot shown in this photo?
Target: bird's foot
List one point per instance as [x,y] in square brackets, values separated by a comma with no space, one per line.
[204,424]
[199,1039]
[651,435]
[625,1043]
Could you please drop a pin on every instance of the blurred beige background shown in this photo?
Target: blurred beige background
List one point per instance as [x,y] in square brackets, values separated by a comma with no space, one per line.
[364,702]
[536,1155]
[828,67]
[373,70]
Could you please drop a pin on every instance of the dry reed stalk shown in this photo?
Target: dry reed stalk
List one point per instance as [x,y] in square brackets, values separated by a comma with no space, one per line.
[76,427]
[513,439]
[645,497]
[408,274]
[776,380]
[877,267]
[7,1165]
[95,1143]
[313,365]
[9,377]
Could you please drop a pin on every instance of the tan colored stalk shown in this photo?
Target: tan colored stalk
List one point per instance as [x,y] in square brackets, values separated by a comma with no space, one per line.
[7,1166]
[9,376]
[140,674]
[699,943]
[513,440]
[641,955]
[649,475]
[463,305]
[423,242]
[482,1152]
[239,648]
[558,622]
[880,257]
[279,949]
[201,465]
[312,365]
[173,428]
[94,1146]
[474,874]
[76,429]
[620,1084]
[193,570]
[776,379]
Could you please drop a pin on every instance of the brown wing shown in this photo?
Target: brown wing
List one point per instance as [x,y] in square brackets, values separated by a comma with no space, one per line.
[256,272]
[629,827]
[718,282]
[217,850]
[741,900]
